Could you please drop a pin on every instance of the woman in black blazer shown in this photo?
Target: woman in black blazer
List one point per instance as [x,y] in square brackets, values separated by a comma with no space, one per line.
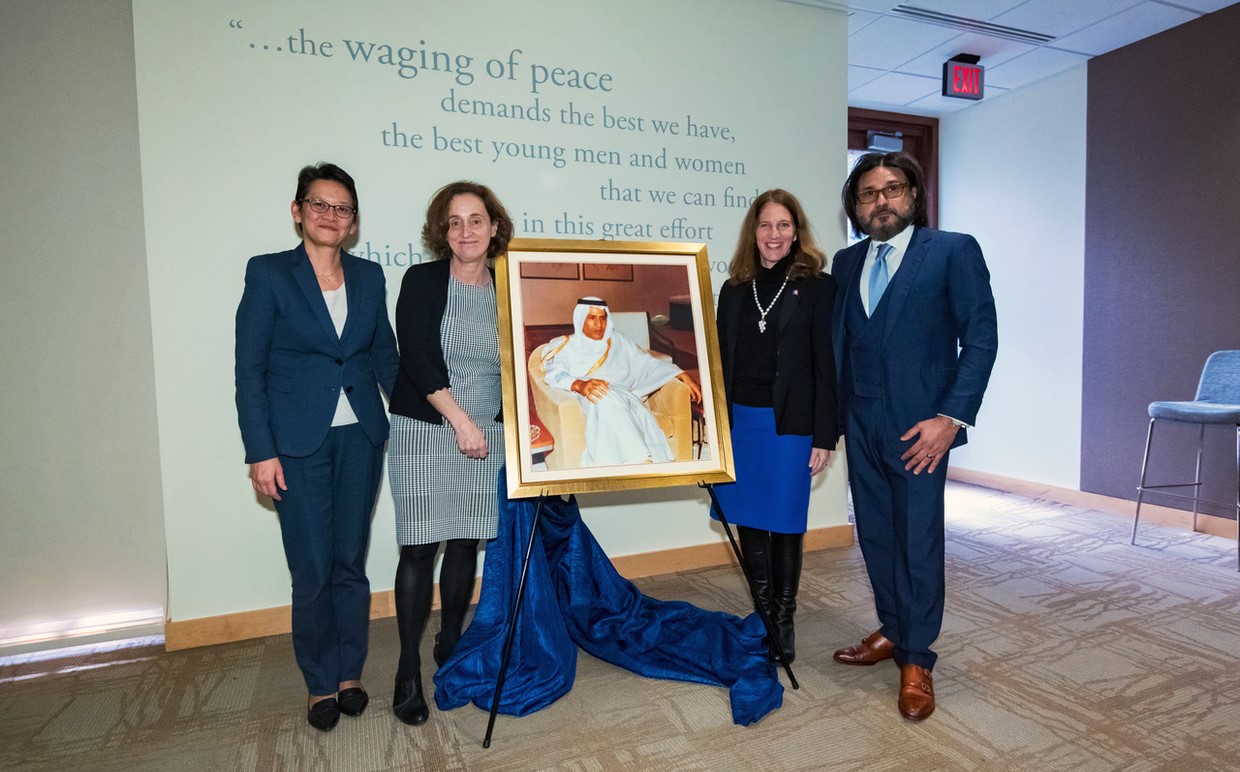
[779,377]
[447,433]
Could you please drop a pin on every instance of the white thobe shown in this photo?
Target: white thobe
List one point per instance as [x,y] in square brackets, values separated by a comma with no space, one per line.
[620,429]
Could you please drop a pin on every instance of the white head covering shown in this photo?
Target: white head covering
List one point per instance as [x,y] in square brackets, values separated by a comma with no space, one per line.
[579,342]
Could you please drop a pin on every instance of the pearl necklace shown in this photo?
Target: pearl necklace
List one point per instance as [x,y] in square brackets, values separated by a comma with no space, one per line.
[764,311]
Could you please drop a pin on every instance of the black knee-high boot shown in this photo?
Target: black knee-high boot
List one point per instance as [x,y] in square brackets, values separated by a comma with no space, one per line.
[456,589]
[756,552]
[786,554]
[415,576]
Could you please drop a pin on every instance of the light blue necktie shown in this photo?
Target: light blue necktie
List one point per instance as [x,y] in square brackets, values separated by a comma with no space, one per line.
[878,276]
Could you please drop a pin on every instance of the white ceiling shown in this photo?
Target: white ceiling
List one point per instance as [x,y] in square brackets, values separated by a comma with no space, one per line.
[895,58]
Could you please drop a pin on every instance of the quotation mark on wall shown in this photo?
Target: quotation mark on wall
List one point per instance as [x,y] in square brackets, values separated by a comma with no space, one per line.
[236,24]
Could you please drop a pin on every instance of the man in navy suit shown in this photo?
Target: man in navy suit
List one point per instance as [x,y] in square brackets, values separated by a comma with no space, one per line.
[915,341]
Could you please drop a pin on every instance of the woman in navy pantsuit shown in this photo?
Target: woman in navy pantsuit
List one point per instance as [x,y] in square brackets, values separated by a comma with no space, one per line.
[779,377]
[314,346]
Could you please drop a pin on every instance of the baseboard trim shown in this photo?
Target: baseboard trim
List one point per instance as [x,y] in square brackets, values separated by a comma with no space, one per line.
[1150,513]
[259,623]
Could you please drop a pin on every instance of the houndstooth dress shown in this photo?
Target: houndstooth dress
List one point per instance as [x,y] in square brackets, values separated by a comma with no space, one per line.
[440,493]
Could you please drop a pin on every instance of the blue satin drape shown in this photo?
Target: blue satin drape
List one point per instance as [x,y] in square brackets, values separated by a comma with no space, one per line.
[574,597]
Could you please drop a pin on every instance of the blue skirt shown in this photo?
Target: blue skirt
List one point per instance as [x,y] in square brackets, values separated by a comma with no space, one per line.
[771,491]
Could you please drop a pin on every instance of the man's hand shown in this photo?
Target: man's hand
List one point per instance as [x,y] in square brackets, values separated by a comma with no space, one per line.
[818,460]
[934,438]
[695,392]
[267,477]
[592,389]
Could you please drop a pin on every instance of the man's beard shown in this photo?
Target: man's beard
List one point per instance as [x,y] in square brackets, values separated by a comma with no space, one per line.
[883,232]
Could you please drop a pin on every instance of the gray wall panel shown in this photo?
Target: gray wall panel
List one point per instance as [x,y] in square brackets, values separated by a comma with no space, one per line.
[1162,249]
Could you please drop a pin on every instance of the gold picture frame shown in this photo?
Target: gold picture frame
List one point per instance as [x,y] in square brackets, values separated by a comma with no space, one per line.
[535,321]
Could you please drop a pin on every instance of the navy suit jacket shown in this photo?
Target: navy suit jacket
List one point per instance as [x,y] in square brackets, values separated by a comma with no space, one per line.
[291,365]
[940,338]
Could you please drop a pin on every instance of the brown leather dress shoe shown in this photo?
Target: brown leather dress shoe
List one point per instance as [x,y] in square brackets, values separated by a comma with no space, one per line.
[875,648]
[916,692]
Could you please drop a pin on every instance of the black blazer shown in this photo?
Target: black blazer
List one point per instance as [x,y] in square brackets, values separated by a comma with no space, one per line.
[805,395]
[419,314]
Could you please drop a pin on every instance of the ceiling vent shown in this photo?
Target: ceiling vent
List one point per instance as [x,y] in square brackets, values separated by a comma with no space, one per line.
[970,25]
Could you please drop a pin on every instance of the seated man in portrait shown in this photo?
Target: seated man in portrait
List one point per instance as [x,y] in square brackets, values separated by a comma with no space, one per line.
[611,377]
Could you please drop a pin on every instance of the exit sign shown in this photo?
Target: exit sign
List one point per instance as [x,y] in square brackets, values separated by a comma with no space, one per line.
[963,80]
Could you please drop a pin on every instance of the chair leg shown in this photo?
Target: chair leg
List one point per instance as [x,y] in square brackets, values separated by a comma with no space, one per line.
[1238,497]
[1145,462]
[1201,439]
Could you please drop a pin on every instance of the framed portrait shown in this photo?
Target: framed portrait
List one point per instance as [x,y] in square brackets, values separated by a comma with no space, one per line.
[612,381]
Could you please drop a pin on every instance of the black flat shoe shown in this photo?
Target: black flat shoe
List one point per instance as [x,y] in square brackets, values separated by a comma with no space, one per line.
[353,701]
[324,714]
[408,704]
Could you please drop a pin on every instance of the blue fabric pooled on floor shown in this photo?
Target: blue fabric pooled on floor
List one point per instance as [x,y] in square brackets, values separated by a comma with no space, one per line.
[574,597]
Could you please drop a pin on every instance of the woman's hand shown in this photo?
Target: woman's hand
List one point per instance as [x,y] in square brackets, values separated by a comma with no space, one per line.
[470,440]
[267,477]
[818,460]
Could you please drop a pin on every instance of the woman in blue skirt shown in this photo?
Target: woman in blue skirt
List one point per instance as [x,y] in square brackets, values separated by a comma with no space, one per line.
[779,377]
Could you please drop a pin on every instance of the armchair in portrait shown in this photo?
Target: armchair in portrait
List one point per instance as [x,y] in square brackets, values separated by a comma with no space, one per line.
[560,412]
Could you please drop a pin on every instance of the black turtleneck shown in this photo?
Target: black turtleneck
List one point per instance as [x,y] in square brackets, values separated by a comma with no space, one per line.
[756,359]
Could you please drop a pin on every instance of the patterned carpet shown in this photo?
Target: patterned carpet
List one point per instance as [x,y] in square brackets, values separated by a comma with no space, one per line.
[1064,648]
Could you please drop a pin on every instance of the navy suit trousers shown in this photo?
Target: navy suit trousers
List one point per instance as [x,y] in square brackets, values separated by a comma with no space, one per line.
[900,530]
[325,523]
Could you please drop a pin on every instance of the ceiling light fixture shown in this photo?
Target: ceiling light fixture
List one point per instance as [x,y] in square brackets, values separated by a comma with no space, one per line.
[970,25]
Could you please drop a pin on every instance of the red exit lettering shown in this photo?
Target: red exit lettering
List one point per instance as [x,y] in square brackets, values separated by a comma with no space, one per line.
[966,80]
